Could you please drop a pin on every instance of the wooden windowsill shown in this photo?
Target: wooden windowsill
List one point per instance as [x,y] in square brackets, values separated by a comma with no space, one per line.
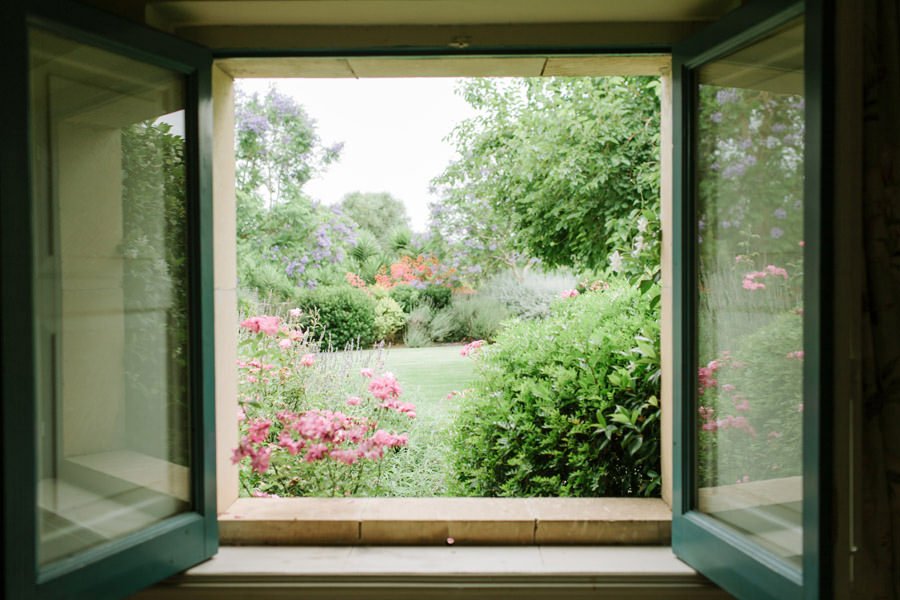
[431,521]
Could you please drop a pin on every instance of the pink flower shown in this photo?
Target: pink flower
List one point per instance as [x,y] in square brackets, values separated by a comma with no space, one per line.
[284,344]
[801,243]
[258,430]
[315,452]
[348,457]
[295,313]
[471,347]
[259,460]
[366,372]
[776,271]
[795,355]
[742,406]
[353,401]
[568,293]
[286,441]
[259,494]
[241,415]
[262,324]
[728,387]
[385,387]
[308,360]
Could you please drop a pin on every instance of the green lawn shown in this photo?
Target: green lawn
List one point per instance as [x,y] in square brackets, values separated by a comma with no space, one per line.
[426,375]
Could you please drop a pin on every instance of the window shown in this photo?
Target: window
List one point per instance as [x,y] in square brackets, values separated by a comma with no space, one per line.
[369,520]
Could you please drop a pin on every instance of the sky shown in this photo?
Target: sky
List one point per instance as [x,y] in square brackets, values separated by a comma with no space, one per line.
[393,132]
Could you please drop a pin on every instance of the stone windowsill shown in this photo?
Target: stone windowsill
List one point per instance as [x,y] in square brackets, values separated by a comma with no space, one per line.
[431,521]
[437,573]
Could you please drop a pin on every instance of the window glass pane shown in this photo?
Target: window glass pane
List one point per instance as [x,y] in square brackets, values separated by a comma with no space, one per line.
[109,199]
[749,189]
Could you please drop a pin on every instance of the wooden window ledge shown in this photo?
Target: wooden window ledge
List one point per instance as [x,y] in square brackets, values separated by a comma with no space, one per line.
[443,521]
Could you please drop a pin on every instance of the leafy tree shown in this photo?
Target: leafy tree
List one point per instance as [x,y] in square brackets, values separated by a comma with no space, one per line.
[551,168]
[277,147]
[376,212]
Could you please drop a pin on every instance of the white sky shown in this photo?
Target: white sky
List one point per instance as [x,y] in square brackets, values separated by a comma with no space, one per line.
[392,129]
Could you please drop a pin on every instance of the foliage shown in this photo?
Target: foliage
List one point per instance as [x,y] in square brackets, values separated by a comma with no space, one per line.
[751,407]
[389,318]
[308,430]
[438,297]
[406,296]
[380,214]
[342,316]
[567,405]
[530,295]
[550,168]
[418,327]
[277,148]
[155,275]
[469,317]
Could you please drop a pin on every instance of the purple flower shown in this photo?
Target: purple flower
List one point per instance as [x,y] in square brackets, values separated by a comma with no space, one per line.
[724,96]
[776,232]
[716,117]
[780,213]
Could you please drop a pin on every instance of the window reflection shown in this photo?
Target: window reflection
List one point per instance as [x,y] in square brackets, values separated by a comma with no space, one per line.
[749,178]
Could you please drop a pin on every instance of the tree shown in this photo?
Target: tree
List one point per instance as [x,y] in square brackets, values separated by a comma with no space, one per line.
[551,168]
[379,213]
[277,148]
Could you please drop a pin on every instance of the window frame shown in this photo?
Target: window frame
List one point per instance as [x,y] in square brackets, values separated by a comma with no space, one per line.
[123,565]
[710,546]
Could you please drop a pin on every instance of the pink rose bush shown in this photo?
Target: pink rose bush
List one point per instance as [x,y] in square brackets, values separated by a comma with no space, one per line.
[307,429]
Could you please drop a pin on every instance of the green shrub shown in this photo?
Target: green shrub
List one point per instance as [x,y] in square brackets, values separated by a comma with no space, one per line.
[477,317]
[389,318]
[416,336]
[567,405]
[437,296]
[406,296]
[444,327]
[760,382]
[342,316]
[530,294]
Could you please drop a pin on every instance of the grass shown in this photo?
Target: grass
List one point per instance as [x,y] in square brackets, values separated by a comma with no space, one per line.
[427,376]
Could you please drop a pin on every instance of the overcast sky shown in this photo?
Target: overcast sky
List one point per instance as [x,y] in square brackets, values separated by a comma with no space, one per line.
[393,132]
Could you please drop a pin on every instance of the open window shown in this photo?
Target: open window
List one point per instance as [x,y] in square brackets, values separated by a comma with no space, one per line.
[749,337]
[106,306]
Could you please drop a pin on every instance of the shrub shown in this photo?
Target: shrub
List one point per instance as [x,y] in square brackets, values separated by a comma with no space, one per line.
[750,409]
[530,295]
[567,405]
[313,423]
[389,318]
[437,296]
[417,332]
[406,296]
[477,317]
[343,316]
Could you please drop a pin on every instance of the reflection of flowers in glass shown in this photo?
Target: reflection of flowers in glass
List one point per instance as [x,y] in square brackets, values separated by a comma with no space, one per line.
[716,117]
[776,232]
[780,213]
[724,96]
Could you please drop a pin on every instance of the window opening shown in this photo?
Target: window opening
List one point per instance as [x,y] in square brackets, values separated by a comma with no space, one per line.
[543,217]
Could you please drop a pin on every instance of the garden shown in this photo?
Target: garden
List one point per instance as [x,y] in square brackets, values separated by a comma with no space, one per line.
[511,349]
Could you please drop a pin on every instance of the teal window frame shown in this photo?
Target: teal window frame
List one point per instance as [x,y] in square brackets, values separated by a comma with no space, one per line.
[726,557]
[126,565]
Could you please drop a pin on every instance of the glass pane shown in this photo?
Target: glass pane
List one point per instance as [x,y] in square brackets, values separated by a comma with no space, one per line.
[110,288]
[749,174]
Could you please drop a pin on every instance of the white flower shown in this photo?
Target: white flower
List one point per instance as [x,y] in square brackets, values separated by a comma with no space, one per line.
[642,224]
[615,262]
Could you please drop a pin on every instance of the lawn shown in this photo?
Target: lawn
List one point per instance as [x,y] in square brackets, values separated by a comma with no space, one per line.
[427,376]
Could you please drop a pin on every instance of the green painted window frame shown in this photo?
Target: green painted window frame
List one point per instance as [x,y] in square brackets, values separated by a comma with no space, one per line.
[727,558]
[122,566]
